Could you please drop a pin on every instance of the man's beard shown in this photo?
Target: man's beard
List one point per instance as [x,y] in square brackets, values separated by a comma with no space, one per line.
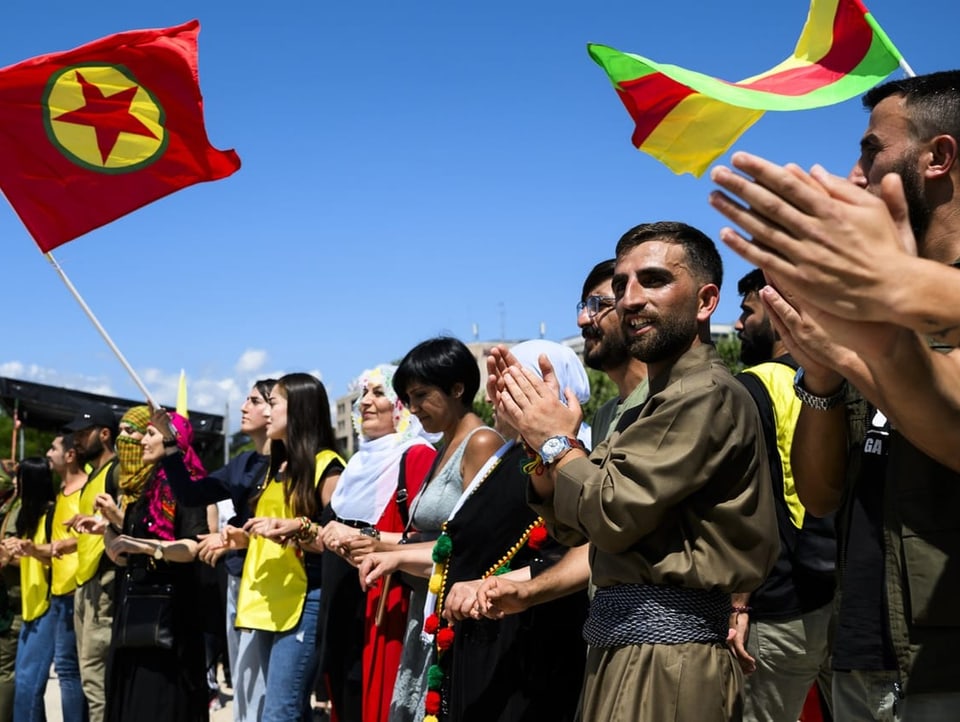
[91,451]
[757,348]
[609,351]
[667,338]
[914,192]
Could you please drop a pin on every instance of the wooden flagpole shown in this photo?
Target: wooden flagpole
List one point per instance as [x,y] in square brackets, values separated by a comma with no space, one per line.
[101,329]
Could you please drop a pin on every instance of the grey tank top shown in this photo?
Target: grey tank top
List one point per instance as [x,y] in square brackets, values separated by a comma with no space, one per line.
[432,506]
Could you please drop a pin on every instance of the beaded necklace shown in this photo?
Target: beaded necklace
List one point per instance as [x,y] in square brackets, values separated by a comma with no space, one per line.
[442,637]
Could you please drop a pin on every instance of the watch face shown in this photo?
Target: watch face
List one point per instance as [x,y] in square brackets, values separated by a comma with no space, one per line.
[551,447]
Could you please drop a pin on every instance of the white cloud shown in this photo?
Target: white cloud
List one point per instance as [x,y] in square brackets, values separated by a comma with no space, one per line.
[251,361]
[52,377]
[208,393]
[12,368]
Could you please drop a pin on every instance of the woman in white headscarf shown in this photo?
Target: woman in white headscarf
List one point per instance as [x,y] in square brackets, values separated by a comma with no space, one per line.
[361,642]
[528,665]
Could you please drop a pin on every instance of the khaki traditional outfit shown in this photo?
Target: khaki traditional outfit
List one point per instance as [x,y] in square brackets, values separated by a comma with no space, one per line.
[677,505]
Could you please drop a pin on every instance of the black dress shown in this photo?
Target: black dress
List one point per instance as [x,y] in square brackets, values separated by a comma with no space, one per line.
[158,684]
[527,666]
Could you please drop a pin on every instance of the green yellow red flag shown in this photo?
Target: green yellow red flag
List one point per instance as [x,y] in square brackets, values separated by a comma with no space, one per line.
[93,133]
[687,119]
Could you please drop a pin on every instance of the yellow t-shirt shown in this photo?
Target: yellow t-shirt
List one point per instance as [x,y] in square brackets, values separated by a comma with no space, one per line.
[35,579]
[274,582]
[90,546]
[64,569]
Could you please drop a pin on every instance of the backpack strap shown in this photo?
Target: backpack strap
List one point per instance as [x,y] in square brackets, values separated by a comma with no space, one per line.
[48,524]
[768,425]
[111,480]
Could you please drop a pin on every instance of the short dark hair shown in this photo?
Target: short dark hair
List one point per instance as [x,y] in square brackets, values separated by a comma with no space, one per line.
[933,102]
[603,271]
[443,362]
[69,443]
[705,262]
[752,282]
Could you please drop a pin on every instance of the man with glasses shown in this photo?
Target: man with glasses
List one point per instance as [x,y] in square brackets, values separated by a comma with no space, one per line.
[604,349]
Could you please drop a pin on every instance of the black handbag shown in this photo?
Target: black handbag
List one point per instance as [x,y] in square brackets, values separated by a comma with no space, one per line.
[145,616]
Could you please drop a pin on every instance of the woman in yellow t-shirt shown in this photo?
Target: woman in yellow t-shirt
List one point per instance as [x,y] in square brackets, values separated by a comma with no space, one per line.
[279,597]
[35,646]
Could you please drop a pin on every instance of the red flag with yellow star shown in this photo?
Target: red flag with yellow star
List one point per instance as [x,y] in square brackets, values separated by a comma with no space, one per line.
[90,134]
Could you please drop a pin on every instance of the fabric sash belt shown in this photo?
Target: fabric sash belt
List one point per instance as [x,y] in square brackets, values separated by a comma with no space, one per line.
[652,614]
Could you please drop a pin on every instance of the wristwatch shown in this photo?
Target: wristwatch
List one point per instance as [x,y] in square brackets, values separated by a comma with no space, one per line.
[371,531]
[158,552]
[553,449]
[820,403]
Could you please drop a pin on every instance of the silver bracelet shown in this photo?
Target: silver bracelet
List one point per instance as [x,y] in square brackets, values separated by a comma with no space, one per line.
[820,403]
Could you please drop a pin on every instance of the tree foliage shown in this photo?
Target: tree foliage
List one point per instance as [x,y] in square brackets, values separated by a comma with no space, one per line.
[602,389]
[35,443]
[729,349]
[483,408]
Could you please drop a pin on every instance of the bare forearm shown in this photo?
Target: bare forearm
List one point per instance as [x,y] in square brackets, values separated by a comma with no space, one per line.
[42,552]
[569,575]
[818,457]
[926,298]
[921,397]
[180,550]
[416,559]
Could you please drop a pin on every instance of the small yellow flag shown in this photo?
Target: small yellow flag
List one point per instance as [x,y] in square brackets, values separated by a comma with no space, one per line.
[182,395]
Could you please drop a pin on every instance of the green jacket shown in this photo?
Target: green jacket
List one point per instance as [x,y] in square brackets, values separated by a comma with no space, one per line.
[9,574]
[922,558]
[921,532]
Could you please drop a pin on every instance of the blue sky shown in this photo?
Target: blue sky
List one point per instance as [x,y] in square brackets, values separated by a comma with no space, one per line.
[409,169]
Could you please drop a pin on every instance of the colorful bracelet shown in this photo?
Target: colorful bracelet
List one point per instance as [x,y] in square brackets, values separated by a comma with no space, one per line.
[737,609]
[305,533]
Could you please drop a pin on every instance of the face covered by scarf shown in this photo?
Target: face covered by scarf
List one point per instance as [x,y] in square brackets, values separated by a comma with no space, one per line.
[129,451]
[369,480]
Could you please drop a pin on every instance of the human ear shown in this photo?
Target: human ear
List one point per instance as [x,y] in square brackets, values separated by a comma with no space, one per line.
[943,156]
[707,299]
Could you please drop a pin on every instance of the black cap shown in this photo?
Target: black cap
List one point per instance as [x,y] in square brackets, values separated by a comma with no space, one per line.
[94,416]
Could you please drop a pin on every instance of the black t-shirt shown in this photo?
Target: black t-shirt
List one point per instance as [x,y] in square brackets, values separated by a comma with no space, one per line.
[862,639]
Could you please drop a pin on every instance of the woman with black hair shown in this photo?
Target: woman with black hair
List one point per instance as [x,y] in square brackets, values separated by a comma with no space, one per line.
[438,380]
[279,596]
[35,646]
[237,482]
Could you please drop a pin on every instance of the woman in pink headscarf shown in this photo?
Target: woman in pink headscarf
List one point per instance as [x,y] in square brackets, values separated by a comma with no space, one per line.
[156,548]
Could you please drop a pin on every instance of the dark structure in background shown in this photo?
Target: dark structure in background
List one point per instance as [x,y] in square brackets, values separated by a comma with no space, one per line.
[49,408]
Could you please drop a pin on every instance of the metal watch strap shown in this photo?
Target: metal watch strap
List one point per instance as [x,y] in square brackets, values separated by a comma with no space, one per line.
[820,403]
